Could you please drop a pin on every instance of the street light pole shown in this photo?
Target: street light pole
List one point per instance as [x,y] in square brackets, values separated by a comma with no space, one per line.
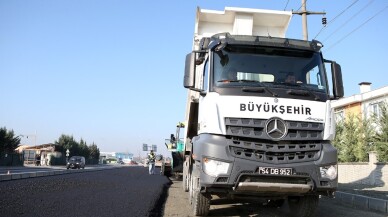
[34,135]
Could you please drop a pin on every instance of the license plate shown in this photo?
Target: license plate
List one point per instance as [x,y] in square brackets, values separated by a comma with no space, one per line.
[275,171]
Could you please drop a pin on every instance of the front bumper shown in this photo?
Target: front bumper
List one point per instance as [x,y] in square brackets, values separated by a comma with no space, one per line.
[242,176]
[73,166]
[272,187]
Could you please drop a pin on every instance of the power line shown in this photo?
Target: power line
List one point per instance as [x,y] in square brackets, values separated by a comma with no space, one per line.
[348,21]
[286,5]
[336,17]
[343,11]
[356,28]
[303,5]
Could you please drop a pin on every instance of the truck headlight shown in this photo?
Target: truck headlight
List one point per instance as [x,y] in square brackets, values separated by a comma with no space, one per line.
[215,167]
[329,172]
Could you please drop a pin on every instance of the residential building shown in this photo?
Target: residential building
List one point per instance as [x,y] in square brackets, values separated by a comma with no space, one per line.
[365,105]
[123,156]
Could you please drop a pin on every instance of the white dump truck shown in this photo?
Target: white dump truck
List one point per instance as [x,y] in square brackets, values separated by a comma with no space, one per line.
[258,117]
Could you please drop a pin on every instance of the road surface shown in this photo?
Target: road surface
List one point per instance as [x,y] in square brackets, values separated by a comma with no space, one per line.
[177,205]
[125,191]
[128,191]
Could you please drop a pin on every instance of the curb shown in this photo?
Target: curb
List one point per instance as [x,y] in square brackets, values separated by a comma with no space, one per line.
[362,202]
[25,175]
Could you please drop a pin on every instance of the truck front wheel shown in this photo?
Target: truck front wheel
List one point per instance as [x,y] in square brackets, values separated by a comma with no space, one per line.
[201,204]
[303,206]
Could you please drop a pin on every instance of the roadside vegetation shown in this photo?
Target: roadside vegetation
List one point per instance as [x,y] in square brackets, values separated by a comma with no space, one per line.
[355,137]
[9,142]
[80,148]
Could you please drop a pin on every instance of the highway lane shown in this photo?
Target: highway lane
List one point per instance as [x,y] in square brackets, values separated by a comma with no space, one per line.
[32,168]
[125,191]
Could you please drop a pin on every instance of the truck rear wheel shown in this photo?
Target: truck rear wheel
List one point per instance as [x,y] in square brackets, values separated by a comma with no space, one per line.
[191,190]
[303,206]
[201,204]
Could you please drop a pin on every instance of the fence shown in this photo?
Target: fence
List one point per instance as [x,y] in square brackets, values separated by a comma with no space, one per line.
[368,173]
[11,159]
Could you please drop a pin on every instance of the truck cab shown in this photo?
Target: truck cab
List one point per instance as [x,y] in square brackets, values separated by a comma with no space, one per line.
[259,119]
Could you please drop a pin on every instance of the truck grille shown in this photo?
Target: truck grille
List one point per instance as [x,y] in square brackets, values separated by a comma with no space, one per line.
[274,153]
[255,128]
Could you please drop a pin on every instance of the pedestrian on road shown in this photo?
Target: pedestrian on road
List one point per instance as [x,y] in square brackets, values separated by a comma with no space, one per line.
[151,162]
[48,160]
[42,159]
[37,160]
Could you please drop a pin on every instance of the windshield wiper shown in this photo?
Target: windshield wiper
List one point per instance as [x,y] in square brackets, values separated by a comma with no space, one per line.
[304,92]
[258,89]
[240,80]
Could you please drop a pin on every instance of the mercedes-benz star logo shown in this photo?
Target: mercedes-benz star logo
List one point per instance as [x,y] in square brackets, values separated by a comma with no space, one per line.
[276,128]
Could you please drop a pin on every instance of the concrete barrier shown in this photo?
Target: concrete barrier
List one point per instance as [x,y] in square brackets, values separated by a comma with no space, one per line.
[378,205]
[14,176]
[362,202]
[25,175]
[5,177]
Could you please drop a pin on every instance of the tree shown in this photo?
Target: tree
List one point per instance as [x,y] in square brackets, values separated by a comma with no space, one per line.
[356,137]
[67,142]
[381,144]
[77,148]
[83,149]
[8,141]
[94,151]
[352,140]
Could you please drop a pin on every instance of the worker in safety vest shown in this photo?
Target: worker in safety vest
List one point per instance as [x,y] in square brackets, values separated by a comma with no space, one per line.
[151,162]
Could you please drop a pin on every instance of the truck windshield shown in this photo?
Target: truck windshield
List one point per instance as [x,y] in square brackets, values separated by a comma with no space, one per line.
[272,67]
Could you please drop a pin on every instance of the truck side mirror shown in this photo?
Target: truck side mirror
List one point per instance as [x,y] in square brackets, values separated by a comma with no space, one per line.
[338,87]
[189,78]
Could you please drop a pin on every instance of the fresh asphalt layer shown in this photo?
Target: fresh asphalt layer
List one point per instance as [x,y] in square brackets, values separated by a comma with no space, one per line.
[119,191]
[13,173]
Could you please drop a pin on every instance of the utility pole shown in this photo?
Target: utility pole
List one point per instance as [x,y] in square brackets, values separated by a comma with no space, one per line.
[304,14]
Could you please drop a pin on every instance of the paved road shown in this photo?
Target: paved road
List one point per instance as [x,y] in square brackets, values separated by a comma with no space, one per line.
[177,205]
[32,168]
[126,191]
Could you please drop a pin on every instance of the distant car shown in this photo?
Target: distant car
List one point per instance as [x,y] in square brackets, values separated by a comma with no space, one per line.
[120,162]
[76,162]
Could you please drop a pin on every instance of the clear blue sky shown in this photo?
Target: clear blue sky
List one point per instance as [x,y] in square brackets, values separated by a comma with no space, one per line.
[111,72]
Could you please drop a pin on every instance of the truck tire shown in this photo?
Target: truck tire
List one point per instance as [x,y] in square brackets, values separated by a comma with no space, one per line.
[201,204]
[303,206]
[191,190]
[186,177]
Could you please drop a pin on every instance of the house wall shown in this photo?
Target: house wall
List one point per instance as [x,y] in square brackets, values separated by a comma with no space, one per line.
[354,109]
[368,173]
